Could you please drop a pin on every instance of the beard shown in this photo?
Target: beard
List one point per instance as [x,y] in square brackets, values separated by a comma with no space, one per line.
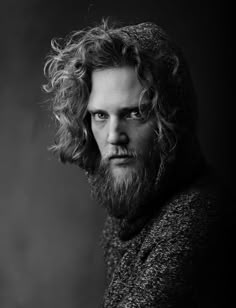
[128,195]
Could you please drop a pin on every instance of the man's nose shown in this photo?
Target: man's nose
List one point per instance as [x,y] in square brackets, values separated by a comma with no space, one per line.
[117,132]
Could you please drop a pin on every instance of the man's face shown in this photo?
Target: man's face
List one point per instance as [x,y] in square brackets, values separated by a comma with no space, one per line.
[124,137]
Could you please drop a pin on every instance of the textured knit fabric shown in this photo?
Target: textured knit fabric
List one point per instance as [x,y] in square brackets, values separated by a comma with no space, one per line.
[167,263]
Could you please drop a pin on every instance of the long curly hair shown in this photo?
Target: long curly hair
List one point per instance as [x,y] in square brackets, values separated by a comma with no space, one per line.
[160,67]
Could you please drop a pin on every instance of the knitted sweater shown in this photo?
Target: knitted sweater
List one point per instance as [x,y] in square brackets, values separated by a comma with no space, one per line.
[169,263]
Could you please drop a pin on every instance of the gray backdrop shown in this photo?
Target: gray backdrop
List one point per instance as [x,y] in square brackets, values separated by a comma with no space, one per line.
[49,228]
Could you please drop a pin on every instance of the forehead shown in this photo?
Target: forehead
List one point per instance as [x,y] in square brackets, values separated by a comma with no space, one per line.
[114,88]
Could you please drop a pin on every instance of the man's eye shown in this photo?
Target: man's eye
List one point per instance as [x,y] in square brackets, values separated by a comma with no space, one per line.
[99,116]
[135,115]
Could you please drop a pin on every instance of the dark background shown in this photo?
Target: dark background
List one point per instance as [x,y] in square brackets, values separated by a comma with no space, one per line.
[49,228]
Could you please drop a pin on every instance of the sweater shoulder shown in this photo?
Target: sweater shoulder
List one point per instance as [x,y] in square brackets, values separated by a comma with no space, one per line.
[190,215]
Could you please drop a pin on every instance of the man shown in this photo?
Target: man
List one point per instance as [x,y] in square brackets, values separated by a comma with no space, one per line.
[126,110]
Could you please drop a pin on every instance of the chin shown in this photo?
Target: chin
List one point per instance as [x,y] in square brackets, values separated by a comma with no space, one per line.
[121,173]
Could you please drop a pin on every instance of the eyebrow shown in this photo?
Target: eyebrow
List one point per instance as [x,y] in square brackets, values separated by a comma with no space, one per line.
[120,111]
[94,111]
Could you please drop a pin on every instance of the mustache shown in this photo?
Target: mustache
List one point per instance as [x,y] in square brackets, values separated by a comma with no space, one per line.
[119,152]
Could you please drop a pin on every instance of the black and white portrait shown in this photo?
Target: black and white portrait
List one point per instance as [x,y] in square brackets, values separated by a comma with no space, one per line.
[116,184]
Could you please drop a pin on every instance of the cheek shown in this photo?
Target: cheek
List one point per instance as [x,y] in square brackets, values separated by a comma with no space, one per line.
[146,141]
[143,140]
[144,136]
[99,138]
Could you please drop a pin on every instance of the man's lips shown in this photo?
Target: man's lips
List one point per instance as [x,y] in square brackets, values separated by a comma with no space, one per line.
[121,159]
